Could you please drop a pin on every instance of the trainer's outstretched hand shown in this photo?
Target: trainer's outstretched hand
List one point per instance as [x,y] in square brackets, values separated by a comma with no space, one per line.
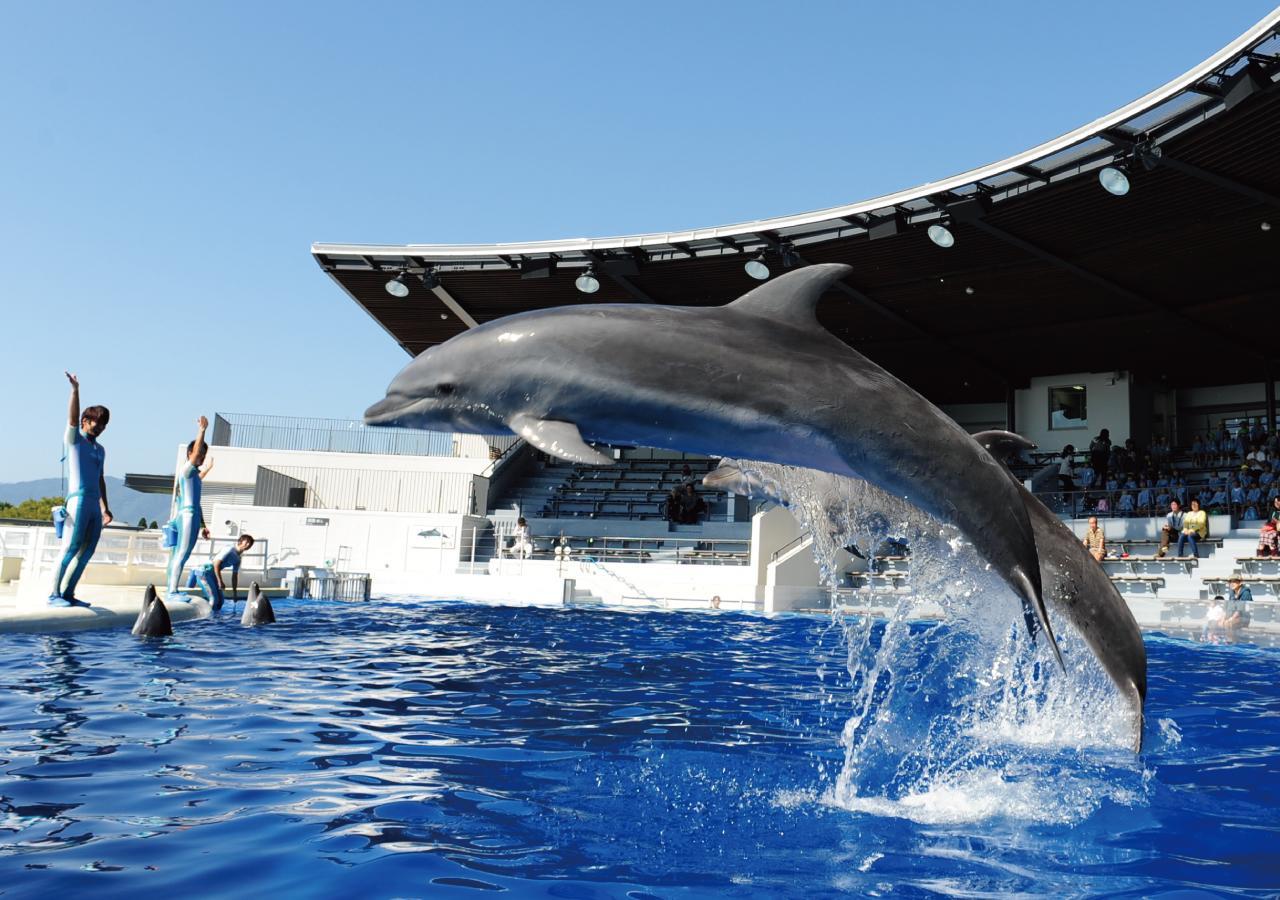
[75,382]
[203,422]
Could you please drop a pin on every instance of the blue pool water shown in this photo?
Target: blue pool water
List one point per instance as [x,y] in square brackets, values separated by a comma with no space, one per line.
[400,749]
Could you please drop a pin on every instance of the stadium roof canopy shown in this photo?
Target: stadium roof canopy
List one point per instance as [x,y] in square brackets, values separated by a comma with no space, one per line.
[1177,281]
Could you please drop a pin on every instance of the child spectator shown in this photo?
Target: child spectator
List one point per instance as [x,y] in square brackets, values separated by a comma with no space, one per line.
[1219,501]
[1213,621]
[1268,539]
[1145,499]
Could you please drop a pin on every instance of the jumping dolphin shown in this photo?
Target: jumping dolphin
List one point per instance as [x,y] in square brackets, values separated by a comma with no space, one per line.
[758,378]
[257,608]
[153,617]
[1075,585]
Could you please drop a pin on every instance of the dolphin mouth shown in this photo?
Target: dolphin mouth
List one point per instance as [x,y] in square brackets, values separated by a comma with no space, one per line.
[388,410]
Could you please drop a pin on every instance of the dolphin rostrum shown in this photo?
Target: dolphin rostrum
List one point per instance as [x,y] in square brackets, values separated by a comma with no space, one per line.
[758,378]
[1075,585]
[257,608]
[153,617]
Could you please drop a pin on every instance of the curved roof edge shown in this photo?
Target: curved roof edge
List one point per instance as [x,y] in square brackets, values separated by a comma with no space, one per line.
[1214,65]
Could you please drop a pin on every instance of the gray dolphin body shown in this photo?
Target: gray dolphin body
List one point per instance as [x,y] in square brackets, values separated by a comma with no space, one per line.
[257,608]
[1075,585]
[759,378]
[153,618]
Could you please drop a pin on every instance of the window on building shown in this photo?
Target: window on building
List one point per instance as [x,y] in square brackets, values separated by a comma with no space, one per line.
[1067,408]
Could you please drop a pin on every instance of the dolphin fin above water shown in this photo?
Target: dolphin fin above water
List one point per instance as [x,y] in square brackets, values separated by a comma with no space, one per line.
[257,608]
[559,439]
[153,617]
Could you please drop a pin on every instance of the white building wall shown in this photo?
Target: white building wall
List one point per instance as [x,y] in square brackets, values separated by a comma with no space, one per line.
[1107,406]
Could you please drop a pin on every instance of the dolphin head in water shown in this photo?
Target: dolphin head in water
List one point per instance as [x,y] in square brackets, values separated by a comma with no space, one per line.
[153,618]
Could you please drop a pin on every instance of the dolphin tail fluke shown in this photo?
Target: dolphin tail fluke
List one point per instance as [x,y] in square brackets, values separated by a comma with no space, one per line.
[1034,599]
[1139,718]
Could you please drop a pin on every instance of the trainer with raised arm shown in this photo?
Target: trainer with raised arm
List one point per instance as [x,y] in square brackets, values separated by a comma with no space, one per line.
[87,509]
[189,518]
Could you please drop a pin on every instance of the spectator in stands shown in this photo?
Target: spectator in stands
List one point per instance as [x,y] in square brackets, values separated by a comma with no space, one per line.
[1237,613]
[1067,468]
[1146,500]
[1094,540]
[1213,621]
[1268,539]
[1172,526]
[1237,494]
[1163,496]
[691,506]
[521,545]
[1195,528]
[1257,457]
[1103,506]
[1087,475]
[1267,475]
[1126,506]
[1220,502]
[671,506]
[1197,452]
[1100,453]
[1257,434]
[1253,497]
[715,601]
[686,476]
[1275,509]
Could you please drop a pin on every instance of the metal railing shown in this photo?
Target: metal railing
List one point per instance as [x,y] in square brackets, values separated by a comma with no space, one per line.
[344,436]
[591,549]
[331,586]
[1081,504]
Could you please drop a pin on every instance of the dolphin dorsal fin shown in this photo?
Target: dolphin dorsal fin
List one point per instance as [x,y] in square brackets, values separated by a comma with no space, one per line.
[792,298]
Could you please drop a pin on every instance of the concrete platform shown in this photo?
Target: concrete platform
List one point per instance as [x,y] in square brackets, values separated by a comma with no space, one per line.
[112,606]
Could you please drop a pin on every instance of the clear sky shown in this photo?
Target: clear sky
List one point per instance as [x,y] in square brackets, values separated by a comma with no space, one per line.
[164,167]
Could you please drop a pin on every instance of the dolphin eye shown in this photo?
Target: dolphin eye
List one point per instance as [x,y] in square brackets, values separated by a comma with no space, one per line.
[444,389]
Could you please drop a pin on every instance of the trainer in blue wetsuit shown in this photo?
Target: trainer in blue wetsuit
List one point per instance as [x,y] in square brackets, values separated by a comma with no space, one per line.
[87,510]
[209,576]
[188,518]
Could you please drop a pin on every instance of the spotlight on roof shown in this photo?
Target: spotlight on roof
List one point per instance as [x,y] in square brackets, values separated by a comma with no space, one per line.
[1114,181]
[587,281]
[942,236]
[399,286]
[969,291]
[757,269]
[430,280]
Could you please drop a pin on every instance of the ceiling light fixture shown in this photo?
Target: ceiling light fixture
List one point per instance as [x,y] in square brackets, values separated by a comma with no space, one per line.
[942,236]
[399,286]
[1114,181]
[587,281]
[756,268]
[430,280]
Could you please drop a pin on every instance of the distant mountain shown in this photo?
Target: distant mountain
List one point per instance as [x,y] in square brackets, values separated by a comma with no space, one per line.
[127,505]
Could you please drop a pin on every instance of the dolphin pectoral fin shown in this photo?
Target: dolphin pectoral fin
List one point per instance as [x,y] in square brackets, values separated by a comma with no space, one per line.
[560,439]
[1032,599]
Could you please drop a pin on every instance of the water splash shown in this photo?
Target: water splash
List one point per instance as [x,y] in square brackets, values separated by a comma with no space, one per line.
[963,718]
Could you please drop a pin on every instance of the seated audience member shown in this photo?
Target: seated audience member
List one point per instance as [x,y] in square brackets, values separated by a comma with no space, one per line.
[1113,483]
[1087,476]
[691,506]
[1266,476]
[1125,506]
[686,475]
[1195,528]
[1237,614]
[1171,528]
[1145,500]
[1250,513]
[1237,494]
[1197,451]
[1219,502]
[1163,497]
[1253,497]
[1268,539]
[1213,621]
[1103,506]
[1094,540]
[671,506]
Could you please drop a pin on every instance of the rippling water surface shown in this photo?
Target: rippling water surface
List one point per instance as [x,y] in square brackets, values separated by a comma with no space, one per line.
[401,749]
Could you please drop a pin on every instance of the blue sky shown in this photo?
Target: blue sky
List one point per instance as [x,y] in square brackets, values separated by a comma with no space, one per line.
[166,166]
